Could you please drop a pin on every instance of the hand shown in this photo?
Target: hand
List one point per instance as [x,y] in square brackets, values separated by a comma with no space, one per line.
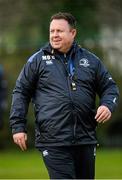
[103,114]
[20,139]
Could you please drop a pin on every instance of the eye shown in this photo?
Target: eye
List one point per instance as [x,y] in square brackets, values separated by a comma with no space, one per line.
[60,31]
[52,31]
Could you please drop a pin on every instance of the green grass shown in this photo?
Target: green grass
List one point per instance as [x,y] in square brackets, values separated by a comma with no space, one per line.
[109,164]
[18,164]
[29,165]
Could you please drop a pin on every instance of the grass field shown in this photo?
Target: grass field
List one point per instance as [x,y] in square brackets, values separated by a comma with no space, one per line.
[29,165]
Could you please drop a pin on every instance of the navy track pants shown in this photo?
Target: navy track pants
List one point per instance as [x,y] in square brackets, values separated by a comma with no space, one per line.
[70,162]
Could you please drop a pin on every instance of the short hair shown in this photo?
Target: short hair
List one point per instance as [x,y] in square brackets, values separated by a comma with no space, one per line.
[67,16]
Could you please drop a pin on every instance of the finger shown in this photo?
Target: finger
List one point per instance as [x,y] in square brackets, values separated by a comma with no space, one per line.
[20,139]
[25,142]
[99,112]
[15,141]
[22,144]
[103,117]
[103,114]
[25,136]
[100,118]
[107,118]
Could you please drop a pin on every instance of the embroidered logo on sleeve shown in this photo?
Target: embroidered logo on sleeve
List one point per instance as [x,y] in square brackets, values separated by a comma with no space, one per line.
[114,100]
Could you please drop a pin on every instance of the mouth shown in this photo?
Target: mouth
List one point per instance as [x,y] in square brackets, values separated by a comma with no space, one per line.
[56,40]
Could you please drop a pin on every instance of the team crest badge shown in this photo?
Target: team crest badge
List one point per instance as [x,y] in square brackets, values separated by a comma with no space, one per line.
[84,62]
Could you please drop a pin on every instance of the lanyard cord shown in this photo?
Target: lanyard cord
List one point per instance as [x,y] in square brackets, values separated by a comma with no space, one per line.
[71,67]
[72,72]
[70,63]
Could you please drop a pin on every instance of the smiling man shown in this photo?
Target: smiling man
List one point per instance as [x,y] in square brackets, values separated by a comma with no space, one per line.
[62,79]
[62,35]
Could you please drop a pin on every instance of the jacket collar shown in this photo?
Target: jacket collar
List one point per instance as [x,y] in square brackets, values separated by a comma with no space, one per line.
[48,49]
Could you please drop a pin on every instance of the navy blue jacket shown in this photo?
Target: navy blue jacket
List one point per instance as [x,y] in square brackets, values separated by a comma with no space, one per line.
[64,101]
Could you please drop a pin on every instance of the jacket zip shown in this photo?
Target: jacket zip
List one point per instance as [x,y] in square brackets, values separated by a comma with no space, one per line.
[69,81]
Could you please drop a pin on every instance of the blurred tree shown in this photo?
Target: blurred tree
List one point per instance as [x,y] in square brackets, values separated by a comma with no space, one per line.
[26,22]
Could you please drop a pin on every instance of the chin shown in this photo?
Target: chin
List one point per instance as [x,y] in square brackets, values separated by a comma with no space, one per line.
[56,47]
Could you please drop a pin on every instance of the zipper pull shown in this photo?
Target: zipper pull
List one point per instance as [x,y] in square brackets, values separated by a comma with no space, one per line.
[65,60]
[73,86]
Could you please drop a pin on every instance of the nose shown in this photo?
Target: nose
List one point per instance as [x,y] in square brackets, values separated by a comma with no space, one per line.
[55,34]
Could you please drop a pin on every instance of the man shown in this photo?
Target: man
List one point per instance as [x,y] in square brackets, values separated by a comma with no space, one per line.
[62,80]
[3,95]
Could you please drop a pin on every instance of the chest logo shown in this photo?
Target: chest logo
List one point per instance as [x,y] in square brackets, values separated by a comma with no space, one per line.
[49,62]
[84,62]
[48,57]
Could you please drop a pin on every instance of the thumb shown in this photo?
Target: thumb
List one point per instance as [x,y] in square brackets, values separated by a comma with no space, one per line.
[25,137]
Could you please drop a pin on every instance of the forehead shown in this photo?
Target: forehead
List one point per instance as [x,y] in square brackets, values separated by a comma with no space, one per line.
[59,23]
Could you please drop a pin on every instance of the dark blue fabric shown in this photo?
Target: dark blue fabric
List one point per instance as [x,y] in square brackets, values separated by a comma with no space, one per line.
[76,162]
[64,116]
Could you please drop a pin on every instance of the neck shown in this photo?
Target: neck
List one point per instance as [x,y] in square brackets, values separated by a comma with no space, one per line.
[65,51]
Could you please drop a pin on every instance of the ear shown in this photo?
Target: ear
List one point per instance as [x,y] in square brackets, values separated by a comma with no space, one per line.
[74,32]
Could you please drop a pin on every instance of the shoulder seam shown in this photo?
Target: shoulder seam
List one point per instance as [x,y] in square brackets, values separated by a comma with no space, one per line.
[32,57]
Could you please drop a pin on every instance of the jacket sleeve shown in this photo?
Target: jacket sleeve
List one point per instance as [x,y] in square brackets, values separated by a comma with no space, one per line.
[106,88]
[22,94]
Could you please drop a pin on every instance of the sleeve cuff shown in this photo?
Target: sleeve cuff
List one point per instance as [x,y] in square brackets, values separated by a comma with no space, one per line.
[18,129]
